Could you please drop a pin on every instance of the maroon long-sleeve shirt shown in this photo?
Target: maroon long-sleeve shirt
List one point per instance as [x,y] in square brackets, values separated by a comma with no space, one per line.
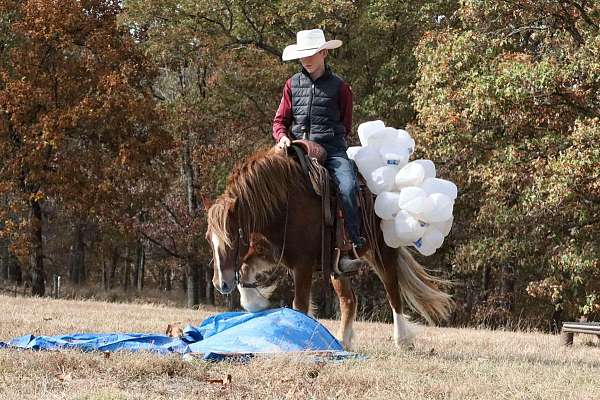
[283,118]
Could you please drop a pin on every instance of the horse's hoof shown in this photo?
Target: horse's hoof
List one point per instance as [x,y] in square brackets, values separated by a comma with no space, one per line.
[405,344]
[346,341]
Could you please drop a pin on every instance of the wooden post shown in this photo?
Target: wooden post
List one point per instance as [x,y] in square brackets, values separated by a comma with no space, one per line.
[566,338]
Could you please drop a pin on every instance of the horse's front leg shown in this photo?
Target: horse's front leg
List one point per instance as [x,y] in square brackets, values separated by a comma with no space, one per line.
[302,285]
[343,289]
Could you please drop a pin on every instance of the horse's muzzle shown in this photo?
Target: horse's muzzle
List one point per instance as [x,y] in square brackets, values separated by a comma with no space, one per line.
[224,287]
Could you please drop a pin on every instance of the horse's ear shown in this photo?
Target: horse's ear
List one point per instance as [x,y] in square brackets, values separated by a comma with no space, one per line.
[206,203]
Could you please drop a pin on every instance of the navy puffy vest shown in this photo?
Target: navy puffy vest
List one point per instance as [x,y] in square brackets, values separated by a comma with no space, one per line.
[315,106]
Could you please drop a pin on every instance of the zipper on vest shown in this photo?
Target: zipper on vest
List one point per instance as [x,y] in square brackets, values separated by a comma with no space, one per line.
[310,101]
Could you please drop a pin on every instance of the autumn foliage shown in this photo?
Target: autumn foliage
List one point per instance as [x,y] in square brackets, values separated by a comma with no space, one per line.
[119,119]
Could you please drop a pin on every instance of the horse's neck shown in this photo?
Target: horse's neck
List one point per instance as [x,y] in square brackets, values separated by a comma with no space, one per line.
[299,218]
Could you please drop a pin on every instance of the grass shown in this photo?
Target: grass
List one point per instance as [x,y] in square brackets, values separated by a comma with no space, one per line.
[445,364]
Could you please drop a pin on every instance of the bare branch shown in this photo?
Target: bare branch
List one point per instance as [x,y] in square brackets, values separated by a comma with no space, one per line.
[162,246]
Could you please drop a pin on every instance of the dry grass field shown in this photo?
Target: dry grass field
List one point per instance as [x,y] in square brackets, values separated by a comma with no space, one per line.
[445,363]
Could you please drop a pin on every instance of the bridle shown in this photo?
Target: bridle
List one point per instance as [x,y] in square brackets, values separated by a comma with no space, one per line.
[238,281]
[242,240]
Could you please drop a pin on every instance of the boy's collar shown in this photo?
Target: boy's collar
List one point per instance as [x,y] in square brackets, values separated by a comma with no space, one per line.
[326,74]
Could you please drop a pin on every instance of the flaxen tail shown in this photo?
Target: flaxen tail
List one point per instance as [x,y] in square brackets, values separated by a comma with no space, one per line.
[421,291]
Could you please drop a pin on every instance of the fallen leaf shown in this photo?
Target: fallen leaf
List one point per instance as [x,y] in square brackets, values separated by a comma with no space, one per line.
[174,330]
[223,381]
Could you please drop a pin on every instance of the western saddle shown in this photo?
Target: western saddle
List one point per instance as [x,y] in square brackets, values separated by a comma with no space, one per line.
[311,156]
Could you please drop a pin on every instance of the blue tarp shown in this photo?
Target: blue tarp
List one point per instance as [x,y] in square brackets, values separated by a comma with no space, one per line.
[219,336]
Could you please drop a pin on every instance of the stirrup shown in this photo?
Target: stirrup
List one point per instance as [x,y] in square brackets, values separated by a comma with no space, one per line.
[337,272]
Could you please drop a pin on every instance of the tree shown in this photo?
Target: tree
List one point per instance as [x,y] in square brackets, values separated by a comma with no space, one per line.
[79,122]
[508,99]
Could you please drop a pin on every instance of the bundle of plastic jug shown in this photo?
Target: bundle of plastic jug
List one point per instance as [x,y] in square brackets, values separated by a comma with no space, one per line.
[414,205]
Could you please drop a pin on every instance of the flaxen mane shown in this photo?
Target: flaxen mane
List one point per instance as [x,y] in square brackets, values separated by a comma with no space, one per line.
[256,190]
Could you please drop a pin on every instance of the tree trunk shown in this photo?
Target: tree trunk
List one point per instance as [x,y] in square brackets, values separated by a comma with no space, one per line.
[485,278]
[36,255]
[192,281]
[196,278]
[104,274]
[126,273]
[233,301]
[4,260]
[210,289]
[78,255]
[187,170]
[15,273]
[111,270]
[168,279]
[202,294]
[507,287]
[140,265]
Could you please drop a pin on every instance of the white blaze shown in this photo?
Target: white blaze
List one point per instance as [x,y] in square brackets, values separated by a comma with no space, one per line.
[216,245]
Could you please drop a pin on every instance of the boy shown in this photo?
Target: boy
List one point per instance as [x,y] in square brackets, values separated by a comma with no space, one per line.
[317,105]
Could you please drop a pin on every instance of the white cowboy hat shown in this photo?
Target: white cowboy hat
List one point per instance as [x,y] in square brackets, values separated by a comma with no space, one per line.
[308,43]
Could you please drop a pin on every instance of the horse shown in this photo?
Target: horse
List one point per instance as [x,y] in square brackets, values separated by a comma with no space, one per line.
[267,194]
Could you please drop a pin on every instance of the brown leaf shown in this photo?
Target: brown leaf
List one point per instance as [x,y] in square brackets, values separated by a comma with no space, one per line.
[223,381]
[174,330]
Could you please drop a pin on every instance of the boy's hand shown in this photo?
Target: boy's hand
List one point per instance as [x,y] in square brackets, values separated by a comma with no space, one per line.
[284,142]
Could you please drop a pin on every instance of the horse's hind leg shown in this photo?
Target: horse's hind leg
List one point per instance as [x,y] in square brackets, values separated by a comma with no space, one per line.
[343,289]
[403,334]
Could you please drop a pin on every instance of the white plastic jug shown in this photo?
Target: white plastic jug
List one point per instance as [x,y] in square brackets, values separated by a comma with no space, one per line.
[424,248]
[383,137]
[408,229]
[442,209]
[409,194]
[428,166]
[419,207]
[367,160]
[433,237]
[351,152]
[406,140]
[412,174]
[389,233]
[444,226]
[383,178]
[394,155]
[437,185]
[386,205]
[367,128]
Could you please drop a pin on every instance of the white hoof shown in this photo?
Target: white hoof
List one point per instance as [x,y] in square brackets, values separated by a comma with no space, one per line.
[404,333]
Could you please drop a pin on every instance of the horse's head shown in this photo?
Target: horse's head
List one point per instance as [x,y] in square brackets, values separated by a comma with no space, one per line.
[228,246]
[257,192]
[259,260]
[257,278]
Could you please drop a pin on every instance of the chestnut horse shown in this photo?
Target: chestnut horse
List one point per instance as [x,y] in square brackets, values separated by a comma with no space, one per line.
[267,195]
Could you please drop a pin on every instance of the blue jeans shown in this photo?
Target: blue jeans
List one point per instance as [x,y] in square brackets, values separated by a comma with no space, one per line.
[344,175]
